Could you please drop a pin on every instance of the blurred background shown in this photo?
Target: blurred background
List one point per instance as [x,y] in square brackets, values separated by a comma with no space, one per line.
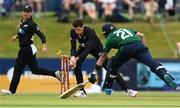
[159,20]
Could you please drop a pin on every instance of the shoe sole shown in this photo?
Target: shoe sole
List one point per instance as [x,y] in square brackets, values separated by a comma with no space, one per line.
[108,91]
[58,76]
[4,92]
[135,95]
[170,82]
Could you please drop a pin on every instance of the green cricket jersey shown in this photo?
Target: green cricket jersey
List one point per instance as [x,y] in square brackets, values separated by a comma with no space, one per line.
[120,37]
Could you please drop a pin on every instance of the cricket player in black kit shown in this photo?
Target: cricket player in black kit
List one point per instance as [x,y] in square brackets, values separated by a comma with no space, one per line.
[89,43]
[27,52]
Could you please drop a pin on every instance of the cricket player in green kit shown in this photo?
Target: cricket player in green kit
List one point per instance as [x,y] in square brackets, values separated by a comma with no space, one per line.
[130,44]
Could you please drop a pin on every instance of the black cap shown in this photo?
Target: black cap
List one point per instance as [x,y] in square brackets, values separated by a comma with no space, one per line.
[27,8]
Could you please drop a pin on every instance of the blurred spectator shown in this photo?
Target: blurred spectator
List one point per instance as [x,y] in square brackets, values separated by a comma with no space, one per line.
[89,7]
[170,7]
[161,6]
[99,8]
[109,6]
[80,7]
[167,6]
[38,7]
[1,7]
[111,13]
[131,4]
[8,7]
[68,6]
[21,3]
[58,7]
[151,7]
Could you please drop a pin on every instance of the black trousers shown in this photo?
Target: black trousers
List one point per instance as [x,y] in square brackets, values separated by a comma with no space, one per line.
[78,71]
[25,56]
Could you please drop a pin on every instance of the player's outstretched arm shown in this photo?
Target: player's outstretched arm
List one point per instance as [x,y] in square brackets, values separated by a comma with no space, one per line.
[92,78]
[44,48]
[102,59]
[142,37]
[13,38]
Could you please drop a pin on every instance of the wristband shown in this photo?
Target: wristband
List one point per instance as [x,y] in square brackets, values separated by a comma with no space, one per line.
[97,67]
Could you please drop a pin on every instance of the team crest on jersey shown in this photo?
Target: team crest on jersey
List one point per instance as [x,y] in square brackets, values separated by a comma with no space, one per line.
[21,31]
[25,25]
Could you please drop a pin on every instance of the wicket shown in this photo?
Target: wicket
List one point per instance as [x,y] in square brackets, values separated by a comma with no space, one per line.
[64,73]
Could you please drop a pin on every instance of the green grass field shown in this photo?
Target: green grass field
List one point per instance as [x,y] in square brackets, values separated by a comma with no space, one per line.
[117,99]
[58,36]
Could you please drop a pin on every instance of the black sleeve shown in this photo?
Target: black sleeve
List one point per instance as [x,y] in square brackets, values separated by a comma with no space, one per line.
[19,28]
[91,39]
[73,43]
[36,29]
[84,53]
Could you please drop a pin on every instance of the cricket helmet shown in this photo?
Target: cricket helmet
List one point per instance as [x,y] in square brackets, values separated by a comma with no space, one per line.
[107,28]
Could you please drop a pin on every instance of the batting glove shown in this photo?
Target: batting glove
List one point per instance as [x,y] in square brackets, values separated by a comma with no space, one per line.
[92,78]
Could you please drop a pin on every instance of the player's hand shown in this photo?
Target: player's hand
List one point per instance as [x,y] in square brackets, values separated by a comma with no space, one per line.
[72,65]
[13,38]
[73,61]
[44,48]
[92,78]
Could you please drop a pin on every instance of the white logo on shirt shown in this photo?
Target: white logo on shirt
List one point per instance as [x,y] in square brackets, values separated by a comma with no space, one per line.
[25,25]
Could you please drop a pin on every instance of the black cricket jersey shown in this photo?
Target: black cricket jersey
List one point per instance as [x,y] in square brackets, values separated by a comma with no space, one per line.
[26,31]
[88,41]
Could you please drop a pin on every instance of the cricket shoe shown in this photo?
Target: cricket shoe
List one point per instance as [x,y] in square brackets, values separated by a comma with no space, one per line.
[169,80]
[6,92]
[178,88]
[58,75]
[81,94]
[108,91]
[132,93]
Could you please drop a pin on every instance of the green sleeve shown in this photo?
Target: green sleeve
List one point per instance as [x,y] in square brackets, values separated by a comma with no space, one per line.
[107,46]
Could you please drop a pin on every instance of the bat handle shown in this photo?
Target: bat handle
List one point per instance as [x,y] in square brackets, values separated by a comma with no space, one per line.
[84,83]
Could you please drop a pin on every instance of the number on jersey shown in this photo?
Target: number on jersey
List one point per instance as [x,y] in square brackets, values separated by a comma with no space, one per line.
[123,33]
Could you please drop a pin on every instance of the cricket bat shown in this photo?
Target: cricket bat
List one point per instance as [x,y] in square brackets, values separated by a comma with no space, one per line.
[72,90]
